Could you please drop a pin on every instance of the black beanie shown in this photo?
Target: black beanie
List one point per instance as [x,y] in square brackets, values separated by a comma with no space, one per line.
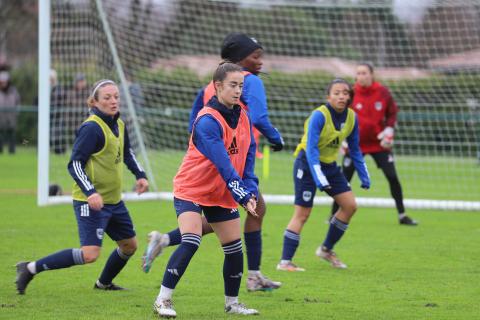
[238,46]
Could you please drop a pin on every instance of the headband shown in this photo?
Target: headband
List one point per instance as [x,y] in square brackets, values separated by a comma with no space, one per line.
[101,84]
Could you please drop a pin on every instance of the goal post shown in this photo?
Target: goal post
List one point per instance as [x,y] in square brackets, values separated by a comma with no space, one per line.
[162,52]
[43,144]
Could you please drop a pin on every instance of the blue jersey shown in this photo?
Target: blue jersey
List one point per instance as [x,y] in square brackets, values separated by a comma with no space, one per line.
[253,95]
[315,126]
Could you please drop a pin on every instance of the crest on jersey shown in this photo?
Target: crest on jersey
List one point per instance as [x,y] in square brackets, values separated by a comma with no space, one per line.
[378,105]
[299,174]
[359,106]
[307,195]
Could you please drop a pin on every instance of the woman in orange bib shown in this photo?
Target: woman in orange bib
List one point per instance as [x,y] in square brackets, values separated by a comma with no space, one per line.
[215,176]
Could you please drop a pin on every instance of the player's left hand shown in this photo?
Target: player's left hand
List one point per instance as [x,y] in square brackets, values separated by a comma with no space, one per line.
[278,146]
[386,138]
[251,206]
[365,185]
[141,185]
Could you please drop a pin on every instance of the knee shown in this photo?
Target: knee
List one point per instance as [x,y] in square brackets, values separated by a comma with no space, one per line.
[129,247]
[90,255]
[302,216]
[350,208]
[261,207]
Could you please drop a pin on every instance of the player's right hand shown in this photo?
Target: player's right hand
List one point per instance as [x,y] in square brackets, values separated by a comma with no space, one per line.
[344,148]
[95,201]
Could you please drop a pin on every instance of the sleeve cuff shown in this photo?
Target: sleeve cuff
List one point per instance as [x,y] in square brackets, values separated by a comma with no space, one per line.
[141,175]
[245,199]
[90,192]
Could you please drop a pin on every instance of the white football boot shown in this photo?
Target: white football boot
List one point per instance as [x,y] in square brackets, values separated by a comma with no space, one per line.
[156,243]
[164,308]
[240,308]
[330,256]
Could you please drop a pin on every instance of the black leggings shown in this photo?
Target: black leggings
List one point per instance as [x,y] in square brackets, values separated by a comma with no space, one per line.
[7,135]
[384,161]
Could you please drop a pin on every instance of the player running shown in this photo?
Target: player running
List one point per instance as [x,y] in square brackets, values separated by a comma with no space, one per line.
[216,175]
[101,147]
[377,116]
[247,53]
[315,167]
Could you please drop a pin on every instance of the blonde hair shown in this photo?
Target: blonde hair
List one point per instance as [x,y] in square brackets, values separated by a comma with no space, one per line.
[95,90]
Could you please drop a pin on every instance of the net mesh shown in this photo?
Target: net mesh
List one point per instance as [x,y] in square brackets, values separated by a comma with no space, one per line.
[426,52]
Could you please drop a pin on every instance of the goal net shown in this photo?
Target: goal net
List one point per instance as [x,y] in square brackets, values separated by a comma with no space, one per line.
[163,51]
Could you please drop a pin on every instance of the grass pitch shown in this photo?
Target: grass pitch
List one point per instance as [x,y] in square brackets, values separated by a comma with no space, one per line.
[428,272]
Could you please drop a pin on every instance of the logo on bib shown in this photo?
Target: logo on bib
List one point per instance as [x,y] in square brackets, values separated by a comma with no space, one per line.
[359,106]
[307,195]
[118,159]
[378,105]
[233,149]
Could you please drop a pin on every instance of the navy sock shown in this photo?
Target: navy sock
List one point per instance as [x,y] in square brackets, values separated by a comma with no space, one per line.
[335,233]
[61,259]
[291,241]
[253,243]
[232,267]
[175,237]
[180,259]
[114,265]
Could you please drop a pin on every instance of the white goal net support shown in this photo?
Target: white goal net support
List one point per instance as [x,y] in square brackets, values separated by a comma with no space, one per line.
[162,52]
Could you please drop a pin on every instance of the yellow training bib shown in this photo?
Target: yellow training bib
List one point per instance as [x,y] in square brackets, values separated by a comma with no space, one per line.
[330,138]
[105,168]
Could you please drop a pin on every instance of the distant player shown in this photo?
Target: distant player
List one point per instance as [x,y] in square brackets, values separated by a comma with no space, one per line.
[99,151]
[216,175]
[377,116]
[315,167]
[247,53]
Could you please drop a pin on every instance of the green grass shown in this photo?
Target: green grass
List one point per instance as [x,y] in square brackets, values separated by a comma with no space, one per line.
[428,272]
[444,178]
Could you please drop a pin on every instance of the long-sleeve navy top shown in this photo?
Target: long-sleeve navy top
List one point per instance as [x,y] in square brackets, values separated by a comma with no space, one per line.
[315,126]
[89,140]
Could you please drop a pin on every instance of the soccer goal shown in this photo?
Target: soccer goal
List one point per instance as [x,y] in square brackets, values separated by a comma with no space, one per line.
[162,52]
